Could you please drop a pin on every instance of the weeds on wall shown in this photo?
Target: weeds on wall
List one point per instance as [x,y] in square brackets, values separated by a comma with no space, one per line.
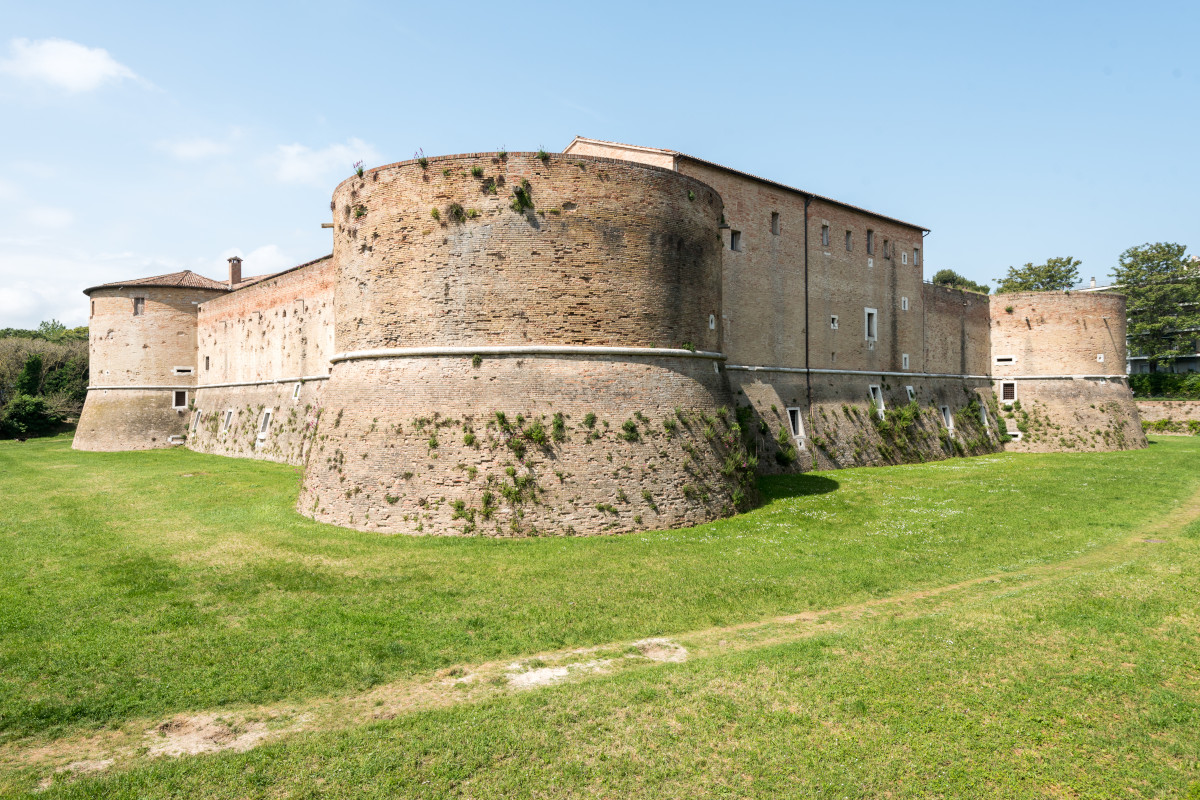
[522,200]
[358,168]
[543,156]
[420,158]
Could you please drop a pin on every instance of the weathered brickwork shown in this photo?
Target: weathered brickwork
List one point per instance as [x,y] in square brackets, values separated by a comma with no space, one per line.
[1063,356]
[147,349]
[609,253]
[287,435]
[524,445]
[956,331]
[1181,411]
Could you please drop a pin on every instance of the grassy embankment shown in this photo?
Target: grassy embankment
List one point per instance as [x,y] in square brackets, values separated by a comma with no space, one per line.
[136,586]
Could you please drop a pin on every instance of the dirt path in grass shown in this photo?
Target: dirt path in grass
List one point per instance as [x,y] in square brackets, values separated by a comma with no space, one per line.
[243,729]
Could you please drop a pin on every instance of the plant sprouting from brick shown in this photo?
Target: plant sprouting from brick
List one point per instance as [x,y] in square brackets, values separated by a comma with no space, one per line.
[535,432]
[691,195]
[455,212]
[649,498]
[472,213]
[360,211]
[433,441]
[476,360]
[689,346]
[629,431]
[502,153]
[488,186]
[446,172]
[558,428]
[358,168]
[433,212]
[476,171]
[420,157]
[589,420]
[606,508]
[543,155]
[391,499]
[522,199]
[503,423]
[469,439]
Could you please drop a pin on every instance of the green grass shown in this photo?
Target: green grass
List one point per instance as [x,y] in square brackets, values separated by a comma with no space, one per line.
[138,585]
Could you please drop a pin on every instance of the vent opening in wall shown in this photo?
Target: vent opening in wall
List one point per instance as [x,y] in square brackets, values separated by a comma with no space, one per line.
[1100,357]
[912,393]
[1004,359]
[876,394]
[1008,391]
[183,370]
[176,439]
[180,400]
[904,361]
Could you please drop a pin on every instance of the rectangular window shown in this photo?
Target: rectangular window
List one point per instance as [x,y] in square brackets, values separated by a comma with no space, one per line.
[195,419]
[870,243]
[887,249]
[876,399]
[139,306]
[912,393]
[917,256]
[183,370]
[825,236]
[797,422]
[904,361]
[265,424]
[180,401]
[904,304]
[775,222]
[871,318]
[849,241]
[1008,392]
[833,322]
[1004,359]
[206,364]
[228,420]
[947,419]
[735,240]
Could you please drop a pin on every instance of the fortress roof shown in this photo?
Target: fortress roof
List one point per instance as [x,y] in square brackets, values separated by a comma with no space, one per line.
[676,155]
[185,279]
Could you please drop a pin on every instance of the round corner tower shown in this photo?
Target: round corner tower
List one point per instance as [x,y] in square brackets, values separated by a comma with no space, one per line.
[1058,367]
[142,350]
[528,344]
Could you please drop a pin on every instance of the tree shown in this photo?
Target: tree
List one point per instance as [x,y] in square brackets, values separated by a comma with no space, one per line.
[950,278]
[1057,274]
[30,380]
[1162,290]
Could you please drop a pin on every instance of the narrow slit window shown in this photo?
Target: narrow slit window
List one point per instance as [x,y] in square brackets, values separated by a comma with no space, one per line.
[849,241]
[917,256]
[184,370]
[296,391]
[775,222]
[139,306]
[797,423]
[833,322]
[196,419]
[825,236]
[265,424]
[228,421]
[904,258]
[735,240]
[947,419]
[870,243]
[871,324]
[206,363]
[180,400]
[904,304]
[912,393]
[904,361]
[1004,359]
[876,399]
[983,417]
[887,249]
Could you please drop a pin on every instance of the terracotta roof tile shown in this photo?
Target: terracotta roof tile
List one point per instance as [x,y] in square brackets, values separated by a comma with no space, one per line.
[185,279]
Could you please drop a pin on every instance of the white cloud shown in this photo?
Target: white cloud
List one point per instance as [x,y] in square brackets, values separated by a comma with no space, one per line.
[297,163]
[194,149]
[65,64]
[48,217]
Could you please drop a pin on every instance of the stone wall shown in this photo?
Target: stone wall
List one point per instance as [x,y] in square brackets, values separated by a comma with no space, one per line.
[228,421]
[137,362]
[1171,416]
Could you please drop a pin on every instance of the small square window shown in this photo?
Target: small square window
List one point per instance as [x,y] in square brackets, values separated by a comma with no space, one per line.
[1008,391]
[849,241]
[1100,358]
[139,306]
[904,304]
[876,399]
[912,393]
[833,322]
[825,236]
[180,400]
[904,361]
[775,222]
[735,240]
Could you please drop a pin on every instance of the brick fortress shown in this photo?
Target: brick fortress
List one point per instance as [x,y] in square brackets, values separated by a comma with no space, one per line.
[609,339]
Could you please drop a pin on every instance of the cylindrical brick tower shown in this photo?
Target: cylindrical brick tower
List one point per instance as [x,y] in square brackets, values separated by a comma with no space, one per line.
[142,343]
[527,344]
[1058,367]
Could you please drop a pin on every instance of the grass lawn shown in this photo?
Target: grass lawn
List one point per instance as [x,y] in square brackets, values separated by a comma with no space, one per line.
[139,585]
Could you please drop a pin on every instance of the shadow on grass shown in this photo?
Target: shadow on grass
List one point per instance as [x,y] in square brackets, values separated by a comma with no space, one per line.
[779,487]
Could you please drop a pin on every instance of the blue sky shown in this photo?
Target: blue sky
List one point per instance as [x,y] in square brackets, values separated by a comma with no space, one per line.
[141,138]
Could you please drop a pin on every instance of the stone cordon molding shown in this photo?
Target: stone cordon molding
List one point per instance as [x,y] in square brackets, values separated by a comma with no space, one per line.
[524,350]
[816,371]
[303,379]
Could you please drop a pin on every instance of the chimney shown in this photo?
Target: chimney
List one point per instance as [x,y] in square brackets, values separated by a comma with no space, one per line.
[235,271]
[1093,285]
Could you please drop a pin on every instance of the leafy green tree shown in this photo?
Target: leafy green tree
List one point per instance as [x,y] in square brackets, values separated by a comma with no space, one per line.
[30,380]
[27,416]
[1162,290]
[1057,274]
[950,278]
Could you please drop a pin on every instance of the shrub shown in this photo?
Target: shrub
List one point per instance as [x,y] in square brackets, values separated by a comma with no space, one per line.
[477,171]
[27,416]
[629,431]
[558,429]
